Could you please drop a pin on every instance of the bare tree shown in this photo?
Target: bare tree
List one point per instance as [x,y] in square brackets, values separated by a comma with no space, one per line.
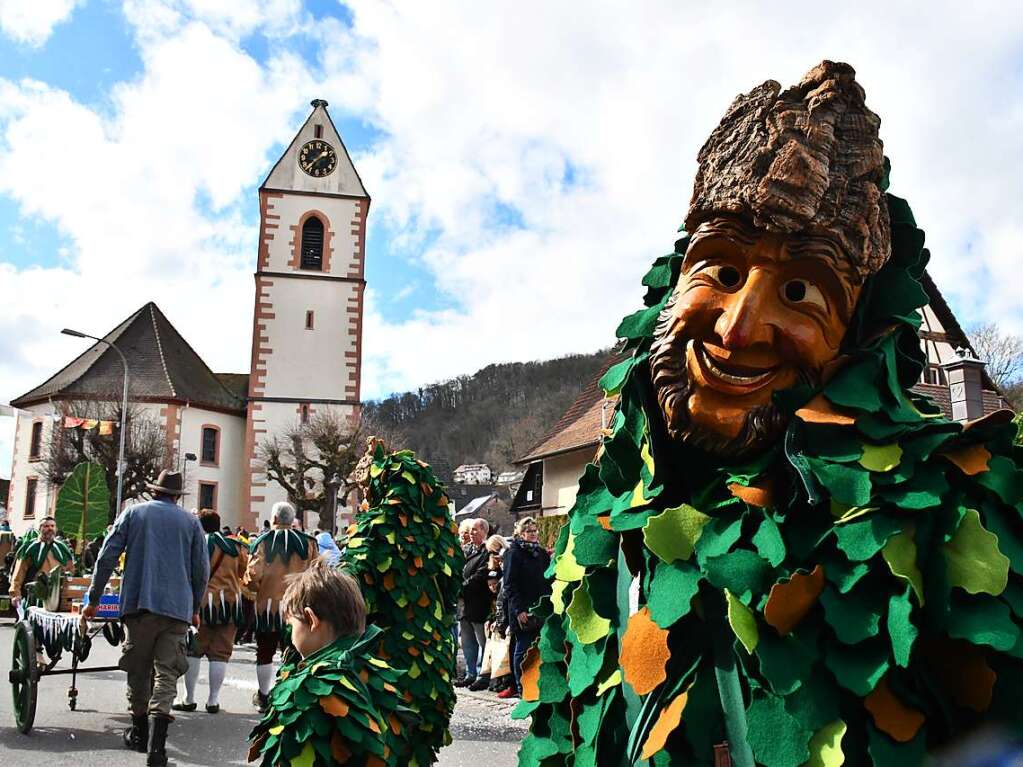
[145,447]
[1003,353]
[305,456]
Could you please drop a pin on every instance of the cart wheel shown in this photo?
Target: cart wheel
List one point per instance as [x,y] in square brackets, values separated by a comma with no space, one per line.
[24,677]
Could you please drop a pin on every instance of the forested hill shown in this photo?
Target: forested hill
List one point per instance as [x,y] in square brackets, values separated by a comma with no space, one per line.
[493,416]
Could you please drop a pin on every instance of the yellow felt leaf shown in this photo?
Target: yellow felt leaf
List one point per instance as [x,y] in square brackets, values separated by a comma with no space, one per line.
[881,457]
[648,460]
[975,563]
[613,679]
[276,730]
[566,568]
[414,671]
[900,554]
[638,499]
[584,620]
[390,537]
[384,564]
[558,596]
[826,746]
[743,624]
[673,533]
[306,757]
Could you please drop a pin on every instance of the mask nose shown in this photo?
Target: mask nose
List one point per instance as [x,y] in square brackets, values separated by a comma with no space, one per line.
[745,318]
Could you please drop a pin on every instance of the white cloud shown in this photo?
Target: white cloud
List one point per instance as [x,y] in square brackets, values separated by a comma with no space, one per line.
[32,21]
[483,111]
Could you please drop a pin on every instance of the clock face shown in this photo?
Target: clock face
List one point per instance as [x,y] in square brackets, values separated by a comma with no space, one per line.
[317,158]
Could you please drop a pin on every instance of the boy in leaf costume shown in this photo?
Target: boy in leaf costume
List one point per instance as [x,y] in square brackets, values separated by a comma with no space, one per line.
[403,550]
[38,555]
[782,555]
[277,553]
[220,613]
[335,701]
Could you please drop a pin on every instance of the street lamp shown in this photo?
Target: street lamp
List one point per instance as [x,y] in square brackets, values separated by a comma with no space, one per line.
[124,408]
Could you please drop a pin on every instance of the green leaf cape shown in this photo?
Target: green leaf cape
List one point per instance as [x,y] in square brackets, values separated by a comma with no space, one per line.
[853,596]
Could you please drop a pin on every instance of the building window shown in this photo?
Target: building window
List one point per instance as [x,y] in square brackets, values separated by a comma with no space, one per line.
[309,319]
[304,413]
[35,446]
[318,131]
[30,497]
[312,244]
[934,375]
[208,495]
[210,451]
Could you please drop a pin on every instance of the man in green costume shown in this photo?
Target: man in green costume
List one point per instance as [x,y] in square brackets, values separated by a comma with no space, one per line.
[783,556]
[37,555]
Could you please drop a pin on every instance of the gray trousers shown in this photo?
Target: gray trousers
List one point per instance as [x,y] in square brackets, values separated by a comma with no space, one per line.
[154,657]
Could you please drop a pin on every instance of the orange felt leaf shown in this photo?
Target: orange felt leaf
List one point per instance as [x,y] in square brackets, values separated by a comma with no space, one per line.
[891,715]
[403,519]
[373,725]
[605,522]
[395,723]
[644,653]
[389,581]
[364,675]
[375,761]
[413,651]
[970,460]
[338,749]
[789,602]
[820,410]
[334,706]
[962,670]
[418,561]
[530,675]
[424,600]
[753,495]
[352,530]
[667,721]
[368,578]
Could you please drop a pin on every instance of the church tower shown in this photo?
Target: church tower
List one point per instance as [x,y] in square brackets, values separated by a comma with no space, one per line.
[307,328]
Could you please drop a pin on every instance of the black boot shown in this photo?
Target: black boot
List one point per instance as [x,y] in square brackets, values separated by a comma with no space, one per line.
[158,742]
[136,737]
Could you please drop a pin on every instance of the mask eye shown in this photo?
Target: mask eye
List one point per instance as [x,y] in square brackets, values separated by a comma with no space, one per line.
[800,291]
[725,275]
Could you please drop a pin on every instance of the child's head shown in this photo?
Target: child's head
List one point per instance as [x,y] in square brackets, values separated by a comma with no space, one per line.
[322,604]
[494,581]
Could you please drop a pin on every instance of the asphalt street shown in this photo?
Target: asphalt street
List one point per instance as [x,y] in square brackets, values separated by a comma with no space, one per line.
[483,732]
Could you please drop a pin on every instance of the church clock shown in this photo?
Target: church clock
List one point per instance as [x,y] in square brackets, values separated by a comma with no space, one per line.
[317,158]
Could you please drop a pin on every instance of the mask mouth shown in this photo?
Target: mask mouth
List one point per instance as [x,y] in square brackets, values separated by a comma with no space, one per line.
[727,376]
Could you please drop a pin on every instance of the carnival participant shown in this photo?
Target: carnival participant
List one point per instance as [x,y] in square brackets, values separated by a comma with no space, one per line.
[341,703]
[38,554]
[165,573]
[476,601]
[220,613]
[273,555]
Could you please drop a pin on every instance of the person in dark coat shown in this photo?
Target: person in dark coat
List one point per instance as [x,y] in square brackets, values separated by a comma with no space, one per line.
[476,602]
[525,563]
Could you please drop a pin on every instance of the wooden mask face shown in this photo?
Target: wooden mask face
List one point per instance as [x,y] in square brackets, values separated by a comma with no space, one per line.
[753,312]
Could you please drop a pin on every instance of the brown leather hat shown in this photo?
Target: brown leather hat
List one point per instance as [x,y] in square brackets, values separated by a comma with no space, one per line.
[168,483]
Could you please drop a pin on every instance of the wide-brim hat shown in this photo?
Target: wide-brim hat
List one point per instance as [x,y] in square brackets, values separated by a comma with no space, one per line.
[168,483]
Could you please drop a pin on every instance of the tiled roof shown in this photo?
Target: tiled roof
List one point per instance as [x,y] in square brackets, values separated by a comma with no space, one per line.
[162,367]
[236,383]
[580,425]
[992,400]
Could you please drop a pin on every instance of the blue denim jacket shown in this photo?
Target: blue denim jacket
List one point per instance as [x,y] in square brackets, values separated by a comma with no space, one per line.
[166,565]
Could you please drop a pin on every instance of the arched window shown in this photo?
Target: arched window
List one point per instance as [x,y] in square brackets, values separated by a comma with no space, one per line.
[312,244]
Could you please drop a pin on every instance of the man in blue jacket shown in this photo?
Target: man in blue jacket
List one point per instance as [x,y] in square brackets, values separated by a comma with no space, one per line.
[165,574]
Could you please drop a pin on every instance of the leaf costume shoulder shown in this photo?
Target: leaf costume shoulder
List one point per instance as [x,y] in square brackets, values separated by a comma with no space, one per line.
[341,705]
[853,596]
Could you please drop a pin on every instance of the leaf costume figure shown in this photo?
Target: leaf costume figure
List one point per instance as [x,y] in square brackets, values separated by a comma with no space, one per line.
[223,602]
[36,557]
[340,705]
[275,554]
[403,550]
[781,551]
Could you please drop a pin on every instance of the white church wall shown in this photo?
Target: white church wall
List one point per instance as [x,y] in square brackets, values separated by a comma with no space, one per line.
[342,220]
[25,467]
[225,472]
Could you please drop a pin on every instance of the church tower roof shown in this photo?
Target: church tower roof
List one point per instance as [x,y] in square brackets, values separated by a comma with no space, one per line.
[163,367]
[287,174]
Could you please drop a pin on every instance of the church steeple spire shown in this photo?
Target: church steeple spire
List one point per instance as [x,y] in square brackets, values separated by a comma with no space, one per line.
[316,160]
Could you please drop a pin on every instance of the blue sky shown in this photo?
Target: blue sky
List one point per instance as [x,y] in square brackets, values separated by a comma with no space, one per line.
[527,160]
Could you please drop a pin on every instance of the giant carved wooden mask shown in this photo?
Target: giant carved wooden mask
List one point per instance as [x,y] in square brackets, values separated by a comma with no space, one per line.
[788,218]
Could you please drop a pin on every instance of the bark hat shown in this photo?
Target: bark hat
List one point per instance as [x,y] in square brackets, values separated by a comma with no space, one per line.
[804,160]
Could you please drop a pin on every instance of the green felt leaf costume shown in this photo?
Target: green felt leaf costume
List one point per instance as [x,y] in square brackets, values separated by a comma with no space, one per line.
[403,550]
[341,705]
[867,612]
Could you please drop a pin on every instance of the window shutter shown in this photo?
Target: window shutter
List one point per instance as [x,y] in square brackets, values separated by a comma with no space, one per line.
[312,244]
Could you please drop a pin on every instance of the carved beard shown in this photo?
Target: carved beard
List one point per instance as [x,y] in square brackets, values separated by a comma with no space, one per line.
[762,427]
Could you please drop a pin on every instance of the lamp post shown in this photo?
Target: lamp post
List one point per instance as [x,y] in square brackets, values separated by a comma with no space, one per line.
[124,409]
[332,485]
[184,469]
